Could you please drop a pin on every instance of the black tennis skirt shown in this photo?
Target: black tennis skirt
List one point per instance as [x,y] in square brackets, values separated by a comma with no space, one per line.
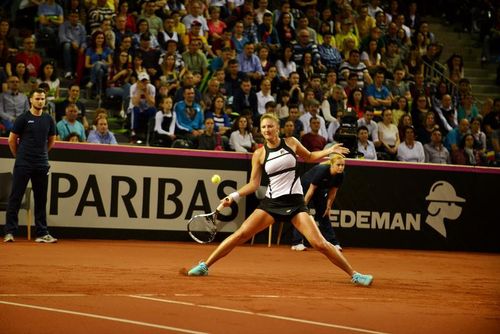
[285,207]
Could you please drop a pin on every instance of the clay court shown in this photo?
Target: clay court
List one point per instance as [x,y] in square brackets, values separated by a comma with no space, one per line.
[79,286]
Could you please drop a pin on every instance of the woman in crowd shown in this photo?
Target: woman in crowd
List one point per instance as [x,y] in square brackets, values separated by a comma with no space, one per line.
[410,150]
[119,77]
[98,58]
[222,123]
[285,63]
[467,154]
[388,135]
[241,139]
[356,101]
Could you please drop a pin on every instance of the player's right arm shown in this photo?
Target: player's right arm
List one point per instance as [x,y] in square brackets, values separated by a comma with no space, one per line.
[13,138]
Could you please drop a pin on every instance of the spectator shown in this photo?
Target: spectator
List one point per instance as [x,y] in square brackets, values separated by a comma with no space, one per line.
[466,154]
[263,55]
[372,127]
[479,136]
[424,132]
[102,135]
[213,89]
[48,75]
[334,107]
[119,78]
[410,150]
[120,30]
[435,152]
[142,105]
[378,94]
[312,140]
[388,135]
[398,87]
[356,101]
[261,11]
[249,63]
[12,103]
[245,100]
[467,108]
[285,63]
[391,58]
[400,110]
[73,98]
[209,139]
[143,28]
[353,65]
[168,33]
[50,16]
[70,124]
[98,13]
[73,38]
[98,57]
[303,46]
[241,139]
[222,122]
[413,64]
[346,32]
[454,137]
[268,34]
[233,78]
[372,58]
[364,22]
[150,56]
[403,122]
[123,10]
[29,56]
[196,14]
[284,26]
[238,39]
[419,110]
[447,113]
[164,129]
[195,60]
[330,55]
[312,109]
[293,116]
[365,146]
[189,122]
[148,13]
[25,81]
[264,96]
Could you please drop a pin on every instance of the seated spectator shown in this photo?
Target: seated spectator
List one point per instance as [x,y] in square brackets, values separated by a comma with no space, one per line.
[398,87]
[388,135]
[356,101]
[378,95]
[447,113]
[267,33]
[212,90]
[98,57]
[391,58]
[479,136]
[372,126]
[26,83]
[73,98]
[150,56]
[142,105]
[222,122]
[424,132]
[372,58]
[264,96]
[101,135]
[73,39]
[245,100]
[119,78]
[435,152]
[365,146]
[73,138]
[330,55]
[143,28]
[29,57]
[216,26]
[241,139]
[353,65]
[233,78]
[168,33]
[70,124]
[165,119]
[312,140]
[335,106]
[400,110]
[466,154]
[12,103]
[404,122]
[293,116]
[282,107]
[467,108]
[50,16]
[410,150]
[285,63]
[454,137]
[419,110]
[189,123]
[209,139]
[249,63]
[312,110]
[48,75]
[194,59]
[188,80]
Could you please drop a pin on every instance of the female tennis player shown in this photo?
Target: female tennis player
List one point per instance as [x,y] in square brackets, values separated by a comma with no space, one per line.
[284,199]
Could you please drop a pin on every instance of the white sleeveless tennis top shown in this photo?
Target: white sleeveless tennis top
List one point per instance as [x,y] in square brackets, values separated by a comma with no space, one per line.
[280,165]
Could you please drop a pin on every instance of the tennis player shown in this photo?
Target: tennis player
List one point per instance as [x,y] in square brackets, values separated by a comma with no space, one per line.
[284,200]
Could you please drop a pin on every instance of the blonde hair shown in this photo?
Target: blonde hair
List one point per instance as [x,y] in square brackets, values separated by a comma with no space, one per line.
[335,157]
[270,116]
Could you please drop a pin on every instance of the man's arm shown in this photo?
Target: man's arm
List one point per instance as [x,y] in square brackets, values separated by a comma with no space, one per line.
[13,142]
[50,142]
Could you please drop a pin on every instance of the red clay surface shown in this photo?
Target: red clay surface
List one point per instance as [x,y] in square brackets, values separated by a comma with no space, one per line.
[79,286]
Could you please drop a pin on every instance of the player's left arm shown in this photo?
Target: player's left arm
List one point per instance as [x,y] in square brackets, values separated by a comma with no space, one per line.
[50,142]
[13,140]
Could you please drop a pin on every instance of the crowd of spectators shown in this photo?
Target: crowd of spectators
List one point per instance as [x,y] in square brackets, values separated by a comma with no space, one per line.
[200,73]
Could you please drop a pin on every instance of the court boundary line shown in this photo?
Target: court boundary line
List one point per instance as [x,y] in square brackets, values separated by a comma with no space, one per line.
[266,315]
[103,317]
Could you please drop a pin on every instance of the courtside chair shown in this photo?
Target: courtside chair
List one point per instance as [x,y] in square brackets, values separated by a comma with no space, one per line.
[260,193]
[5,188]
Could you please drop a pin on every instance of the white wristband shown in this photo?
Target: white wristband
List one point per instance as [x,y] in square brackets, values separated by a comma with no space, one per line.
[235,196]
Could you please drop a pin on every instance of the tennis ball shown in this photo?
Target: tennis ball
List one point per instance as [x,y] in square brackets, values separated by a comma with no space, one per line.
[216,179]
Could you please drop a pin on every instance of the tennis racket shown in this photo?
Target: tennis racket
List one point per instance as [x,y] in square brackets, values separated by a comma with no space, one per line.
[203,228]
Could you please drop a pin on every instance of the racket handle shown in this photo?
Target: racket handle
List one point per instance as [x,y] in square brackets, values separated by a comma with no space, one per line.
[220,207]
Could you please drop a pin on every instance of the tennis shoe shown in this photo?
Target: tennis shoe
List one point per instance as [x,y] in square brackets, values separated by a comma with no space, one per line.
[200,270]
[299,247]
[8,238]
[47,239]
[360,279]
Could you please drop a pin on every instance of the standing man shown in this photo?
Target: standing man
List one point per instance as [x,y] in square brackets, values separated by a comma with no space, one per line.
[30,140]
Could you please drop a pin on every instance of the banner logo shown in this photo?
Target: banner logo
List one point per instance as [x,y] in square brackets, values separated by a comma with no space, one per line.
[443,205]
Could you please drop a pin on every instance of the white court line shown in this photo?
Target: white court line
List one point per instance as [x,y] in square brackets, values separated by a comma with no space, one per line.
[96,316]
[317,323]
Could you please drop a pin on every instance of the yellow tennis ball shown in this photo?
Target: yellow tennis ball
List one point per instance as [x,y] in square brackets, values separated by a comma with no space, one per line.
[216,179]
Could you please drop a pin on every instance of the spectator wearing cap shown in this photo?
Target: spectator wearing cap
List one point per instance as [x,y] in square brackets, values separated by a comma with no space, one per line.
[148,13]
[346,32]
[150,56]
[168,33]
[72,37]
[196,14]
[312,110]
[142,104]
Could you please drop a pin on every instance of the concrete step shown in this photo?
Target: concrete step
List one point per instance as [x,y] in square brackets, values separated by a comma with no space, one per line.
[490,89]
